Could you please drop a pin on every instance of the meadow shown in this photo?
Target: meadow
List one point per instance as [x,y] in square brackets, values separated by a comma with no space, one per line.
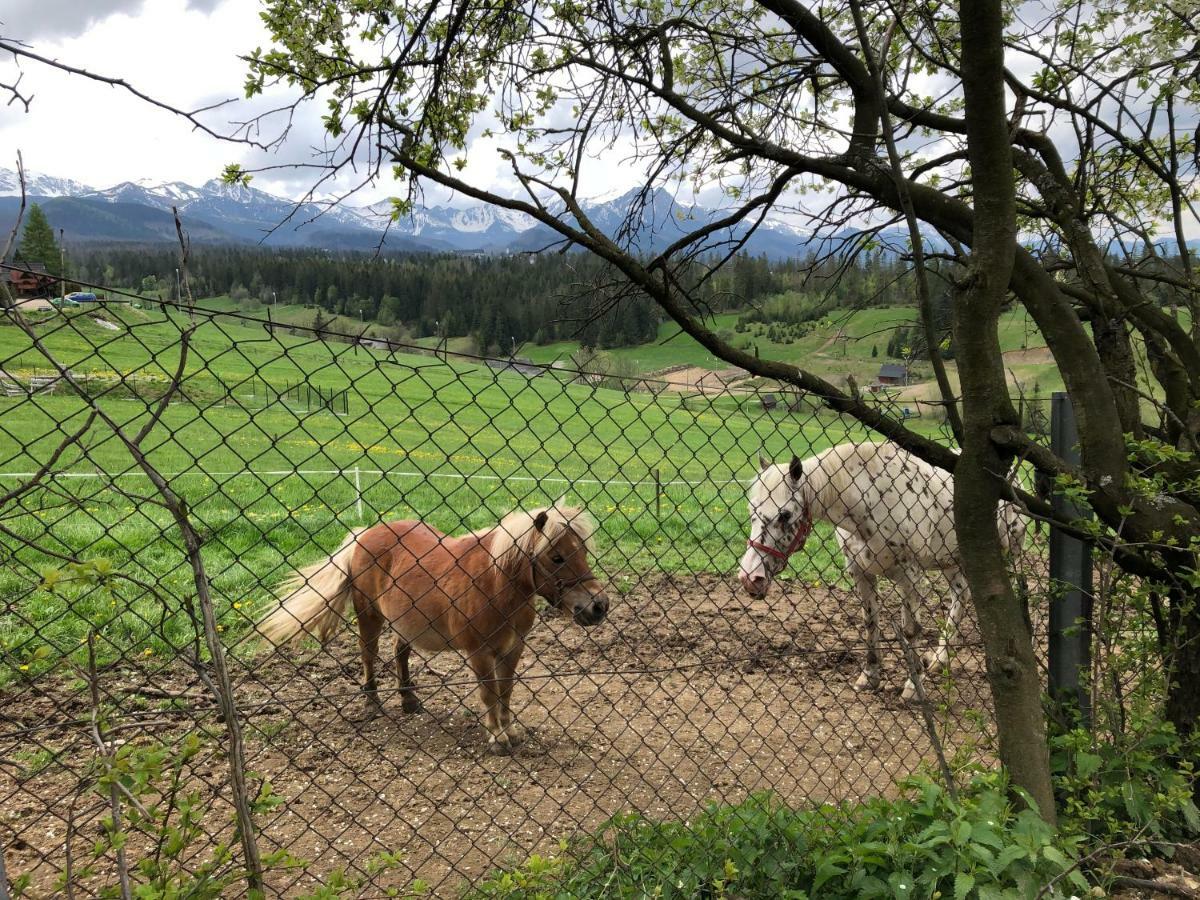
[272,486]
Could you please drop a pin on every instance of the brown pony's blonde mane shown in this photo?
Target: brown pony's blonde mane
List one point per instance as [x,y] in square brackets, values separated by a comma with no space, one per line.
[516,537]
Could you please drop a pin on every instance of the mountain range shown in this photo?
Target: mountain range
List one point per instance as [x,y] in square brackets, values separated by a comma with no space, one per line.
[215,212]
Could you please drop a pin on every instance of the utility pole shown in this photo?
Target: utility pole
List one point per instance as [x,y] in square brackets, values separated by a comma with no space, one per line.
[62,263]
[178,288]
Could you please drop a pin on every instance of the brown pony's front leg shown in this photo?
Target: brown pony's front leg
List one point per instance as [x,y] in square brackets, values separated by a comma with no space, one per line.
[506,668]
[483,664]
[370,624]
[409,701]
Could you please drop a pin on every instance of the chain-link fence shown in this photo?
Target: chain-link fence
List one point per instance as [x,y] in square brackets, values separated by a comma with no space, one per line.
[164,472]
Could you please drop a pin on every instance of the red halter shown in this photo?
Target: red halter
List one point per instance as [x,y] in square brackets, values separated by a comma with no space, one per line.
[803,529]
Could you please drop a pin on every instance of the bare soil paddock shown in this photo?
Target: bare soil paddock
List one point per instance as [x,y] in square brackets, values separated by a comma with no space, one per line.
[689,693]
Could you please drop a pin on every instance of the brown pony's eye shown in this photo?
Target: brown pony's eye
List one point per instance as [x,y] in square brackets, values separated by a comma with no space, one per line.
[558,560]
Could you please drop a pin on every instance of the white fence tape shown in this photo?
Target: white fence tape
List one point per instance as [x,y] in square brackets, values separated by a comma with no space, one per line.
[350,474]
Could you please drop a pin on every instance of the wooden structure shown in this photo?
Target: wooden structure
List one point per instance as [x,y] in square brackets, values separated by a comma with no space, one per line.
[31,279]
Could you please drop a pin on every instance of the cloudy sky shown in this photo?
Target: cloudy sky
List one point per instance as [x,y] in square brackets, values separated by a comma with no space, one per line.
[183,52]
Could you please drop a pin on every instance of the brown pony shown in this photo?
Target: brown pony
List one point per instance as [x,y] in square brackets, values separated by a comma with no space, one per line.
[474,594]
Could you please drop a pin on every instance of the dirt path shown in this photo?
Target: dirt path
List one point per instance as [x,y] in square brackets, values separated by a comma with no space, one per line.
[689,693]
[699,379]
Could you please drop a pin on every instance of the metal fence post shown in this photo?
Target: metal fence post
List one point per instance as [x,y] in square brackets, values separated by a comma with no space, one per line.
[1070,578]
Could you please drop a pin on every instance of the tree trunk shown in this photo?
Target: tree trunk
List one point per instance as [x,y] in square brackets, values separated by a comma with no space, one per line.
[1011,666]
[1183,669]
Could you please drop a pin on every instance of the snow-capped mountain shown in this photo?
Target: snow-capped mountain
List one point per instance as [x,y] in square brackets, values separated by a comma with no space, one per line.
[479,227]
[39,185]
[219,212]
[159,195]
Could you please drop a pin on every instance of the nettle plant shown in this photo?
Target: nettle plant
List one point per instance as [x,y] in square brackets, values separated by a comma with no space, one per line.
[1130,776]
[173,844]
[159,827]
[928,843]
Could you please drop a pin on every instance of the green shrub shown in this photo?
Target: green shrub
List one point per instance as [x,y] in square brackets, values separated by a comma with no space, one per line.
[925,844]
[1136,786]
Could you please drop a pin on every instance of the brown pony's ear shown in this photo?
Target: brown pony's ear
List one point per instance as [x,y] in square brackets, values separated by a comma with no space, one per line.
[763,463]
[540,520]
[795,468]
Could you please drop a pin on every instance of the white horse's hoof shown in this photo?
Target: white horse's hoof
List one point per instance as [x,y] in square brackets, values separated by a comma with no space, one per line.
[909,692]
[867,682]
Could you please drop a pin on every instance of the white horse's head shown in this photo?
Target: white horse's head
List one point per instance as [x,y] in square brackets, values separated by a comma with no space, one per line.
[780,521]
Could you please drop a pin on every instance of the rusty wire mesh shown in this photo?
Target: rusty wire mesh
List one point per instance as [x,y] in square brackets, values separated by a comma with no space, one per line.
[279,440]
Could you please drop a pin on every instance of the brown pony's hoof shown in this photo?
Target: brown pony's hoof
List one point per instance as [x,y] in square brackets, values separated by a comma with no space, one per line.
[517,734]
[411,704]
[371,709]
[499,748]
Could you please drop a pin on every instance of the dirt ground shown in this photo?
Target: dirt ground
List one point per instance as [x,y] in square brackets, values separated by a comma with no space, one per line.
[699,379]
[689,693]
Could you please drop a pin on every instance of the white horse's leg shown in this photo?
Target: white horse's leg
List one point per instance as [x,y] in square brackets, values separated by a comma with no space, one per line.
[864,584]
[910,610]
[910,618]
[959,593]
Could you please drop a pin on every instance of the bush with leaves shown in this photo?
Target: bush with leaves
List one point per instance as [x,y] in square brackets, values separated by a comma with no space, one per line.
[163,825]
[1127,789]
[925,844]
[163,832]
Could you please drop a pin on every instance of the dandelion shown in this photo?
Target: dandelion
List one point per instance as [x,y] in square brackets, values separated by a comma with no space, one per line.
[237,605]
[24,667]
[147,652]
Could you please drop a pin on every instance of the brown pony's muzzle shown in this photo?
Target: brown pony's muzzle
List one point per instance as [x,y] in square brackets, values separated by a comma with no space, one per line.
[591,610]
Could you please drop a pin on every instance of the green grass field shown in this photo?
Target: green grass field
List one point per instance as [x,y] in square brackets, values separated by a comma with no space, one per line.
[450,442]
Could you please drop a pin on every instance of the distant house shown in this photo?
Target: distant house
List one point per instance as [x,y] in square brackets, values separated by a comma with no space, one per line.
[374,343]
[892,374]
[31,280]
[519,364]
[769,402]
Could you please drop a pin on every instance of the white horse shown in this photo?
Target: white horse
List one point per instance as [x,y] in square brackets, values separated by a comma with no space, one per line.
[894,516]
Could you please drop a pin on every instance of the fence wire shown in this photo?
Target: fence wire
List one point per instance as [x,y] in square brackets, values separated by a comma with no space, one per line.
[670,687]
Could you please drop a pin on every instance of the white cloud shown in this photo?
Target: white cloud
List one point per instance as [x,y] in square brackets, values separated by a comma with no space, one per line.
[27,20]
[186,53]
[177,51]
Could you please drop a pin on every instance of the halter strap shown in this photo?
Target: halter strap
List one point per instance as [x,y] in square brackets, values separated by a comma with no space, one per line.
[561,584]
[803,529]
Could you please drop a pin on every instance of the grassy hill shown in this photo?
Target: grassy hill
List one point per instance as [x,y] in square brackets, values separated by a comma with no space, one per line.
[852,342]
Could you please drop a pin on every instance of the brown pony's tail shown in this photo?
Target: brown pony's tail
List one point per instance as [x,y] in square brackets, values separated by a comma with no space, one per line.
[315,598]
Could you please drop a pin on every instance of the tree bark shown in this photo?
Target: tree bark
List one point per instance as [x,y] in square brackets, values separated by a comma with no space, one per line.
[1183,667]
[1011,665]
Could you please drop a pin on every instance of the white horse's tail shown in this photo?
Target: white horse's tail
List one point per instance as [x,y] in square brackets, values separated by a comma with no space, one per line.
[315,598]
